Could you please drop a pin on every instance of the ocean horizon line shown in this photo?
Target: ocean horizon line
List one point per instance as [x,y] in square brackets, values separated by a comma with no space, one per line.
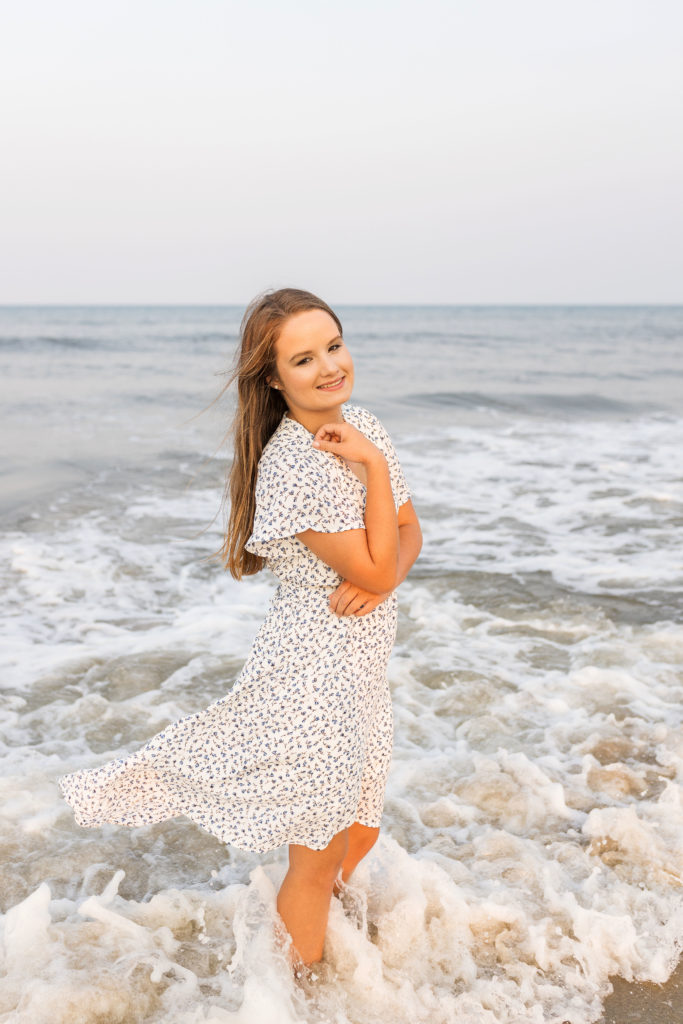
[348,305]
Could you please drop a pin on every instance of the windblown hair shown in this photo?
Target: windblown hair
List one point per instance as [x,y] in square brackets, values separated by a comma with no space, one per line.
[259,410]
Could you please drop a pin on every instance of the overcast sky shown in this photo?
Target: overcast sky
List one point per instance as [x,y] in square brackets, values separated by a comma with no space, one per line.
[448,151]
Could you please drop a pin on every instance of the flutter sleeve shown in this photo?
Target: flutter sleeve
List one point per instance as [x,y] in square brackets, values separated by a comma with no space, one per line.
[297,494]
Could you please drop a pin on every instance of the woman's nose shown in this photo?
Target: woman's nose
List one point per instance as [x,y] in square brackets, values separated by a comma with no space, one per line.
[328,364]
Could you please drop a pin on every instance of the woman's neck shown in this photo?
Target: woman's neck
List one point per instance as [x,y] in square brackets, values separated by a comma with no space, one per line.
[313,420]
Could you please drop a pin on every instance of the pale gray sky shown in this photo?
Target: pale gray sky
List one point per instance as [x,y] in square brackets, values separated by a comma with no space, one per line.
[370,150]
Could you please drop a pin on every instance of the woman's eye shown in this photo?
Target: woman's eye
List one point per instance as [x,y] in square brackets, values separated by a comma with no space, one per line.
[306,359]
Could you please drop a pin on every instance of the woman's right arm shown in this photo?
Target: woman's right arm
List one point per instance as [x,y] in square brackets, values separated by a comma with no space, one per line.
[369,557]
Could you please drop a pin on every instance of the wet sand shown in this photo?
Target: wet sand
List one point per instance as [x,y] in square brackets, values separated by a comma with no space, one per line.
[645,1003]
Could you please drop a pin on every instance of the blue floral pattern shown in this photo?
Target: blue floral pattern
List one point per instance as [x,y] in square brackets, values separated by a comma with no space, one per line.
[300,747]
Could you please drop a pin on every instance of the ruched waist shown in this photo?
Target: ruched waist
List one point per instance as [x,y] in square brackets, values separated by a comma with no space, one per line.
[308,585]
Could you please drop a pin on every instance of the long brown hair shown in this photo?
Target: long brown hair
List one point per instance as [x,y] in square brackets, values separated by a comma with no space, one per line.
[259,410]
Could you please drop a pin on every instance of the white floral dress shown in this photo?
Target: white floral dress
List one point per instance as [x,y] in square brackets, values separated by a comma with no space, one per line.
[300,747]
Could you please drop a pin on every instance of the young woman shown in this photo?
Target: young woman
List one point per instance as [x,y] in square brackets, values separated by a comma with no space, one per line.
[298,752]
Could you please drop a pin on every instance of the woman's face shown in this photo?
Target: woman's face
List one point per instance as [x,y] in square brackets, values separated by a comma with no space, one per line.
[313,367]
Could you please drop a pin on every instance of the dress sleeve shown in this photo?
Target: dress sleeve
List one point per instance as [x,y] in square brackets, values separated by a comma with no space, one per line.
[306,494]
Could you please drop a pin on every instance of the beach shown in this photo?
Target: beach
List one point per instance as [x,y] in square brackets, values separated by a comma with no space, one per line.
[530,858]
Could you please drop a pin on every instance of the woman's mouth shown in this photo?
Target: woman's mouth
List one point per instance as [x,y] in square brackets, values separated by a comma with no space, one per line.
[333,386]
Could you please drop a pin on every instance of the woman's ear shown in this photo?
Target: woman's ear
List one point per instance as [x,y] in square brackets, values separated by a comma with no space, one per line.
[272,382]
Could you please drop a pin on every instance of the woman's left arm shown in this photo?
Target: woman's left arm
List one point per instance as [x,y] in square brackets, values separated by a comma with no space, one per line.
[349,599]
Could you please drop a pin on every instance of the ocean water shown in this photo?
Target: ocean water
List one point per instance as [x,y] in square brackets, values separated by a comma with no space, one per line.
[533,832]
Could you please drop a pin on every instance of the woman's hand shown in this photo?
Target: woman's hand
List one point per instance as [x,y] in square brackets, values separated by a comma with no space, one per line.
[348,599]
[350,444]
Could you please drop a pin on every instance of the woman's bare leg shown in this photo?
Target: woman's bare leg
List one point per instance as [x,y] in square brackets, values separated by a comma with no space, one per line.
[303,901]
[362,838]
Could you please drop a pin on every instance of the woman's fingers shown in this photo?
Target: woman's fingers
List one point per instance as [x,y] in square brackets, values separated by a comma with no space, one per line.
[369,602]
[344,440]
[346,599]
[330,432]
[337,595]
[349,599]
[327,435]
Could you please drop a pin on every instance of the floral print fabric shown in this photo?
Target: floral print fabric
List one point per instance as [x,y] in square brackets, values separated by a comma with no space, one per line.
[300,747]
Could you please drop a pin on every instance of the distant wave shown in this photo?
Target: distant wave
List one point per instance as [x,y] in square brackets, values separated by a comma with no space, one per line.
[120,341]
[198,336]
[581,404]
[36,342]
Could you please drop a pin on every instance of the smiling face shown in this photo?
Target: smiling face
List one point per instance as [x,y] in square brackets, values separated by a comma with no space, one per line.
[313,368]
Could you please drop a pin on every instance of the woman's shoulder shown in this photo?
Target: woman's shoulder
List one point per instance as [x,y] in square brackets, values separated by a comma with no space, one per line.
[368,424]
[357,415]
[289,447]
[365,421]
